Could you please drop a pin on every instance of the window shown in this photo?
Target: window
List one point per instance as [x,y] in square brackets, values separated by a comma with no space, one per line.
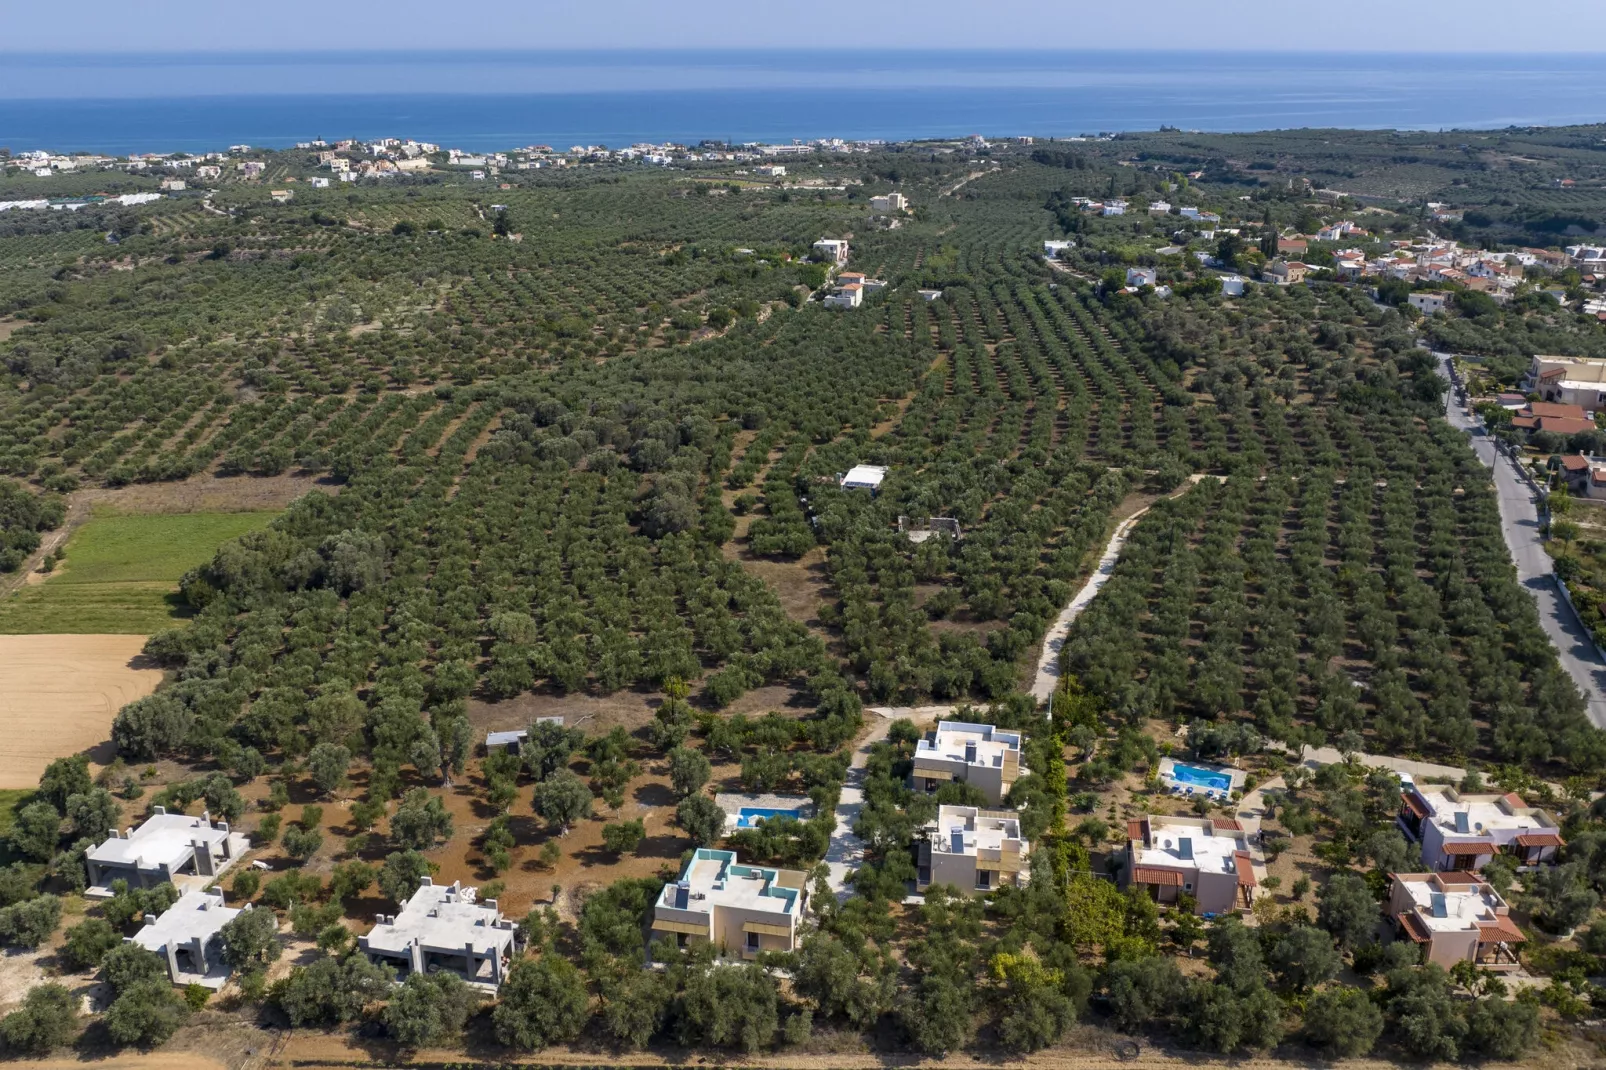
[984,878]
[752,941]
[1187,886]
[931,785]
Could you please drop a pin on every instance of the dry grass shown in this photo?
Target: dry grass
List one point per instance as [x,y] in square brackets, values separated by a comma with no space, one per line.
[61,693]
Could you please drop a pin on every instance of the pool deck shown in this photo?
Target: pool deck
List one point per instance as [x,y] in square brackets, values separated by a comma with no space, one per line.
[732,804]
[1237,776]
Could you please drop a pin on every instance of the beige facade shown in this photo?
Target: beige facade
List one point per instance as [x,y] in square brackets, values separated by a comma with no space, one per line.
[979,754]
[1569,380]
[973,849]
[741,910]
[1207,858]
[1455,917]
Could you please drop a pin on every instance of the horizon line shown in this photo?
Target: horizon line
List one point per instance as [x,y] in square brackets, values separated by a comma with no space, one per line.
[737,49]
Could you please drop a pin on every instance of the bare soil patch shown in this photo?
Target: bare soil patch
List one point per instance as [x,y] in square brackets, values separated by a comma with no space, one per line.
[597,714]
[59,695]
[208,494]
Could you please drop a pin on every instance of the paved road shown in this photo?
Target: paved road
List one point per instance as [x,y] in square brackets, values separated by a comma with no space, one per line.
[842,857]
[1519,519]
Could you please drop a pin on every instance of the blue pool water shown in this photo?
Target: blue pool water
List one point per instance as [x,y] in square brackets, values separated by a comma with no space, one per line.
[1199,777]
[750,816]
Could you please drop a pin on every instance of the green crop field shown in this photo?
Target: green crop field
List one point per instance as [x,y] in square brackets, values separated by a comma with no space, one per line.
[121,573]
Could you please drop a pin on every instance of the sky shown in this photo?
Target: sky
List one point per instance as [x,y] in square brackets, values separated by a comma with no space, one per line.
[298,25]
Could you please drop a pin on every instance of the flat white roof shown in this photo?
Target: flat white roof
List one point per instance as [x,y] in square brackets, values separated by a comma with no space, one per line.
[718,879]
[864,475]
[978,831]
[1209,854]
[1464,904]
[951,738]
[162,838]
[196,914]
[442,917]
[1481,810]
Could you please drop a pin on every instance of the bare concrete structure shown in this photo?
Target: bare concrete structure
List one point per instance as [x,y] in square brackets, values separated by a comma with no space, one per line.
[442,927]
[165,847]
[187,937]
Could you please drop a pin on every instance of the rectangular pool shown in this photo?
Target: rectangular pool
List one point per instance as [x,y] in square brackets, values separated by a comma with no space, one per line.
[1195,776]
[750,816]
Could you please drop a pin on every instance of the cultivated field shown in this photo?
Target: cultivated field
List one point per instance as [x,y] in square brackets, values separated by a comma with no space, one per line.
[61,693]
[121,573]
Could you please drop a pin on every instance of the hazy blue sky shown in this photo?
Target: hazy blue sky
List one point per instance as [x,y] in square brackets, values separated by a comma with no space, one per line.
[1383,25]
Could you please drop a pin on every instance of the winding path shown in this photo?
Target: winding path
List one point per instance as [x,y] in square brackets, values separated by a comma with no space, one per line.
[1519,521]
[1048,662]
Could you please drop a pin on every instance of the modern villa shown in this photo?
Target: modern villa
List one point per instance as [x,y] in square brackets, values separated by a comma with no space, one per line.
[972,849]
[979,754]
[1457,917]
[741,910]
[1464,832]
[1207,858]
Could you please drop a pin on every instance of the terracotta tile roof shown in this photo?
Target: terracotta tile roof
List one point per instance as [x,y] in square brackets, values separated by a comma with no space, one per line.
[1552,408]
[1413,804]
[1564,425]
[1598,477]
[1469,847]
[1513,799]
[1502,928]
[1156,875]
[1576,462]
[1540,839]
[1455,876]
[1135,829]
[1227,823]
[1414,927]
[1246,874]
[1527,423]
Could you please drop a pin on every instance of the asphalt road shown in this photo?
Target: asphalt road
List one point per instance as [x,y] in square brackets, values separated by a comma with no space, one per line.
[1519,520]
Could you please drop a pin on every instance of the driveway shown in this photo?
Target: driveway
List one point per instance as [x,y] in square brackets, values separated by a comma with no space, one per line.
[1519,520]
[846,851]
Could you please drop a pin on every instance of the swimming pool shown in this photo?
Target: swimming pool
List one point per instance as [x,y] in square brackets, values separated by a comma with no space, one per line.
[1199,777]
[750,816]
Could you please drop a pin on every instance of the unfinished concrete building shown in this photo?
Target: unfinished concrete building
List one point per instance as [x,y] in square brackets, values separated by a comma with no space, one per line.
[166,848]
[187,937]
[443,927]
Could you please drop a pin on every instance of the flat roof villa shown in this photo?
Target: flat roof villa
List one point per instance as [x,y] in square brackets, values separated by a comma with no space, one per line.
[741,910]
[973,849]
[186,936]
[514,739]
[442,927]
[979,754]
[166,848]
[1206,857]
[1463,832]
[1458,917]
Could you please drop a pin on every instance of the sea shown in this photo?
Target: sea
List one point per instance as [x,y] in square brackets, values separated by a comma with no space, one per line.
[494,100]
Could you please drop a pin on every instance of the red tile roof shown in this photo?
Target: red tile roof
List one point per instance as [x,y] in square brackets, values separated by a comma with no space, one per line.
[1575,462]
[1502,928]
[1156,875]
[1414,927]
[1553,408]
[1540,839]
[1455,876]
[1469,847]
[1564,425]
[1527,423]
[1135,829]
[1226,823]
[1246,874]
[1413,804]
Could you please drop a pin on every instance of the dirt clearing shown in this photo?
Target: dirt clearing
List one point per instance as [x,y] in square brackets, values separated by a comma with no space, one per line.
[60,695]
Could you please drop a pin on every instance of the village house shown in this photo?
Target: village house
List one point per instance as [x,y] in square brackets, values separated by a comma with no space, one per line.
[1464,831]
[1570,380]
[1584,477]
[850,295]
[831,251]
[1429,302]
[1206,858]
[979,754]
[864,477]
[187,936]
[1284,272]
[1291,245]
[1232,285]
[741,910]
[891,202]
[1142,276]
[1116,207]
[442,927]
[972,849]
[1052,249]
[1456,917]
[164,847]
